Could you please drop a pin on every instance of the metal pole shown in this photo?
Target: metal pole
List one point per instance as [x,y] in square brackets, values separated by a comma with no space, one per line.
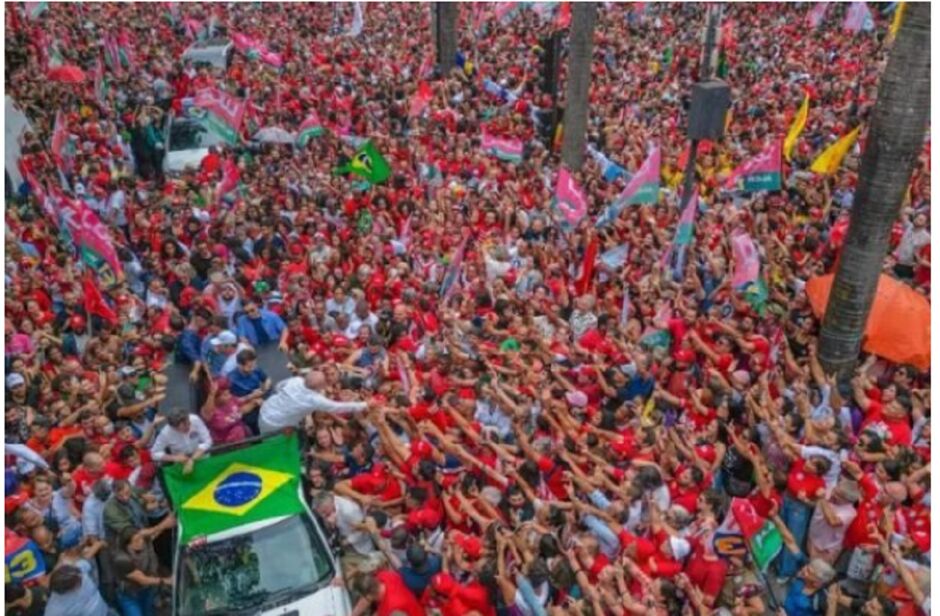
[704,74]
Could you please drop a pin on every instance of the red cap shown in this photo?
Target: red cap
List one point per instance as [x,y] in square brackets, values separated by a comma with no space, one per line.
[471,546]
[684,356]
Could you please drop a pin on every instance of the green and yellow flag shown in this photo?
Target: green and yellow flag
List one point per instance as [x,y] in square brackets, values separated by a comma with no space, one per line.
[799,123]
[368,163]
[828,162]
[235,488]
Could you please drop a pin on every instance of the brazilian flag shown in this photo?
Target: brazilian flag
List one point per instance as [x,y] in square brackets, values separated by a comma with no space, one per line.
[237,487]
[368,163]
[756,295]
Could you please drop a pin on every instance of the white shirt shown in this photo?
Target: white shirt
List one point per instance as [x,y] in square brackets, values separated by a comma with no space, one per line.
[348,516]
[293,401]
[186,443]
[824,537]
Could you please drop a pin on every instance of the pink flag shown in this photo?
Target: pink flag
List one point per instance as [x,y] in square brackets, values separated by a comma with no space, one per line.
[569,198]
[816,14]
[95,244]
[229,181]
[502,148]
[857,18]
[227,107]
[759,173]
[746,260]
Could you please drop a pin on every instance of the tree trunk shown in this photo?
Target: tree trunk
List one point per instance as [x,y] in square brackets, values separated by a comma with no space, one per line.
[444,27]
[895,140]
[580,53]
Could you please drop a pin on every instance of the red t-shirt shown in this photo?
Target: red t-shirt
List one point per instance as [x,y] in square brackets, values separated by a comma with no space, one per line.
[899,429]
[396,597]
[802,483]
[707,575]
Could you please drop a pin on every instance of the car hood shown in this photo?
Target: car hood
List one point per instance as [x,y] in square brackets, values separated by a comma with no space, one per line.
[328,601]
[185,159]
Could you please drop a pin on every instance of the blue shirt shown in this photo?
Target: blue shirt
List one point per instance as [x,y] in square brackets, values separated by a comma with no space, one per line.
[189,349]
[417,581]
[242,384]
[268,323]
[798,603]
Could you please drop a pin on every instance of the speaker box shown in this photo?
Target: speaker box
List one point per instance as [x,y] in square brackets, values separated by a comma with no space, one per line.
[710,102]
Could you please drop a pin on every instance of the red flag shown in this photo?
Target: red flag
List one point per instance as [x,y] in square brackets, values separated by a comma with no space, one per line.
[94,302]
[421,99]
[583,283]
[564,16]
[747,518]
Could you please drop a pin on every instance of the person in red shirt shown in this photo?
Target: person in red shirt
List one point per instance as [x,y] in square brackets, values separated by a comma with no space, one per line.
[383,594]
[90,471]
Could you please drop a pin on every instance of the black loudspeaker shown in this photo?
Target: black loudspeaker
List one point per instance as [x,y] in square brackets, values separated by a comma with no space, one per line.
[710,102]
[551,63]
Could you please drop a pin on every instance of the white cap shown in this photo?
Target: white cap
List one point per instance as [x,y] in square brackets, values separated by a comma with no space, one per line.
[224,338]
[15,379]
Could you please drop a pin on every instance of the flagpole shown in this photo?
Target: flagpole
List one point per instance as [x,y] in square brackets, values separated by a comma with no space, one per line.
[774,603]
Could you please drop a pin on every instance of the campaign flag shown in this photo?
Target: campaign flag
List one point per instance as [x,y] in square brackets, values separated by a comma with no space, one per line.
[569,199]
[96,247]
[112,54]
[95,302]
[256,50]
[24,562]
[229,181]
[234,488]
[355,29]
[756,295]
[221,113]
[60,137]
[609,169]
[102,87]
[816,14]
[614,258]
[369,164]
[858,18]
[799,123]
[643,187]
[583,283]
[502,148]
[35,9]
[311,127]
[421,99]
[830,159]
[762,534]
[746,260]
[125,50]
[760,173]
[683,236]
[448,285]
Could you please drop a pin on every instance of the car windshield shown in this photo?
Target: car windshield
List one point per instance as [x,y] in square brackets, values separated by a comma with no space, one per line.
[247,573]
[190,135]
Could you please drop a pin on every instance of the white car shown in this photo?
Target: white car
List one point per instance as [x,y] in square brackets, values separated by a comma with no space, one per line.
[187,143]
[274,567]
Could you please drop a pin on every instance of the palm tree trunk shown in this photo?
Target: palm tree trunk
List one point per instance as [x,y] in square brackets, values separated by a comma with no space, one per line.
[895,139]
[444,27]
[580,52]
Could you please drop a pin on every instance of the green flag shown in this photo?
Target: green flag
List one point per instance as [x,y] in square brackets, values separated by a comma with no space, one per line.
[368,163]
[765,545]
[756,294]
[235,488]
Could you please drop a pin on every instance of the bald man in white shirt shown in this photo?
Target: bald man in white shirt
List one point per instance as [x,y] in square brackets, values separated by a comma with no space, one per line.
[297,397]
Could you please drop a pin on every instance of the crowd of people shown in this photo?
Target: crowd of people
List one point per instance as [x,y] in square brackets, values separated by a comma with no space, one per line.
[489,429]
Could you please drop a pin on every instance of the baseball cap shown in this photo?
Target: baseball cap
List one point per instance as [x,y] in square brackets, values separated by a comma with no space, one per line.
[14,379]
[224,338]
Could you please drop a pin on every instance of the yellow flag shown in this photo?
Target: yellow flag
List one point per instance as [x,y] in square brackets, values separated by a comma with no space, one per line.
[898,18]
[828,162]
[799,123]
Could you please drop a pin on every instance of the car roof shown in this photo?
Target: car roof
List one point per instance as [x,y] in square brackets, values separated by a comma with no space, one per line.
[210,43]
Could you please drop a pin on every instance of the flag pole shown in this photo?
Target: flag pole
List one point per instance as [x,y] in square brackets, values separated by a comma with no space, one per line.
[774,603]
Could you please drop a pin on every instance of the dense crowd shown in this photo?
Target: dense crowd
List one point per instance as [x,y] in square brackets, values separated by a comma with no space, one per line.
[519,439]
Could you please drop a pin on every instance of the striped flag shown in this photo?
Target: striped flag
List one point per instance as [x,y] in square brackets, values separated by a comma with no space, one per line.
[311,127]
[222,113]
[684,234]
[759,173]
[101,85]
[643,187]
[96,246]
[614,258]
[35,9]
[504,149]
[112,55]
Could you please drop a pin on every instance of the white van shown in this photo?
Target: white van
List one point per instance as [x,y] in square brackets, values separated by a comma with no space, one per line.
[187,143]
[214,52]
